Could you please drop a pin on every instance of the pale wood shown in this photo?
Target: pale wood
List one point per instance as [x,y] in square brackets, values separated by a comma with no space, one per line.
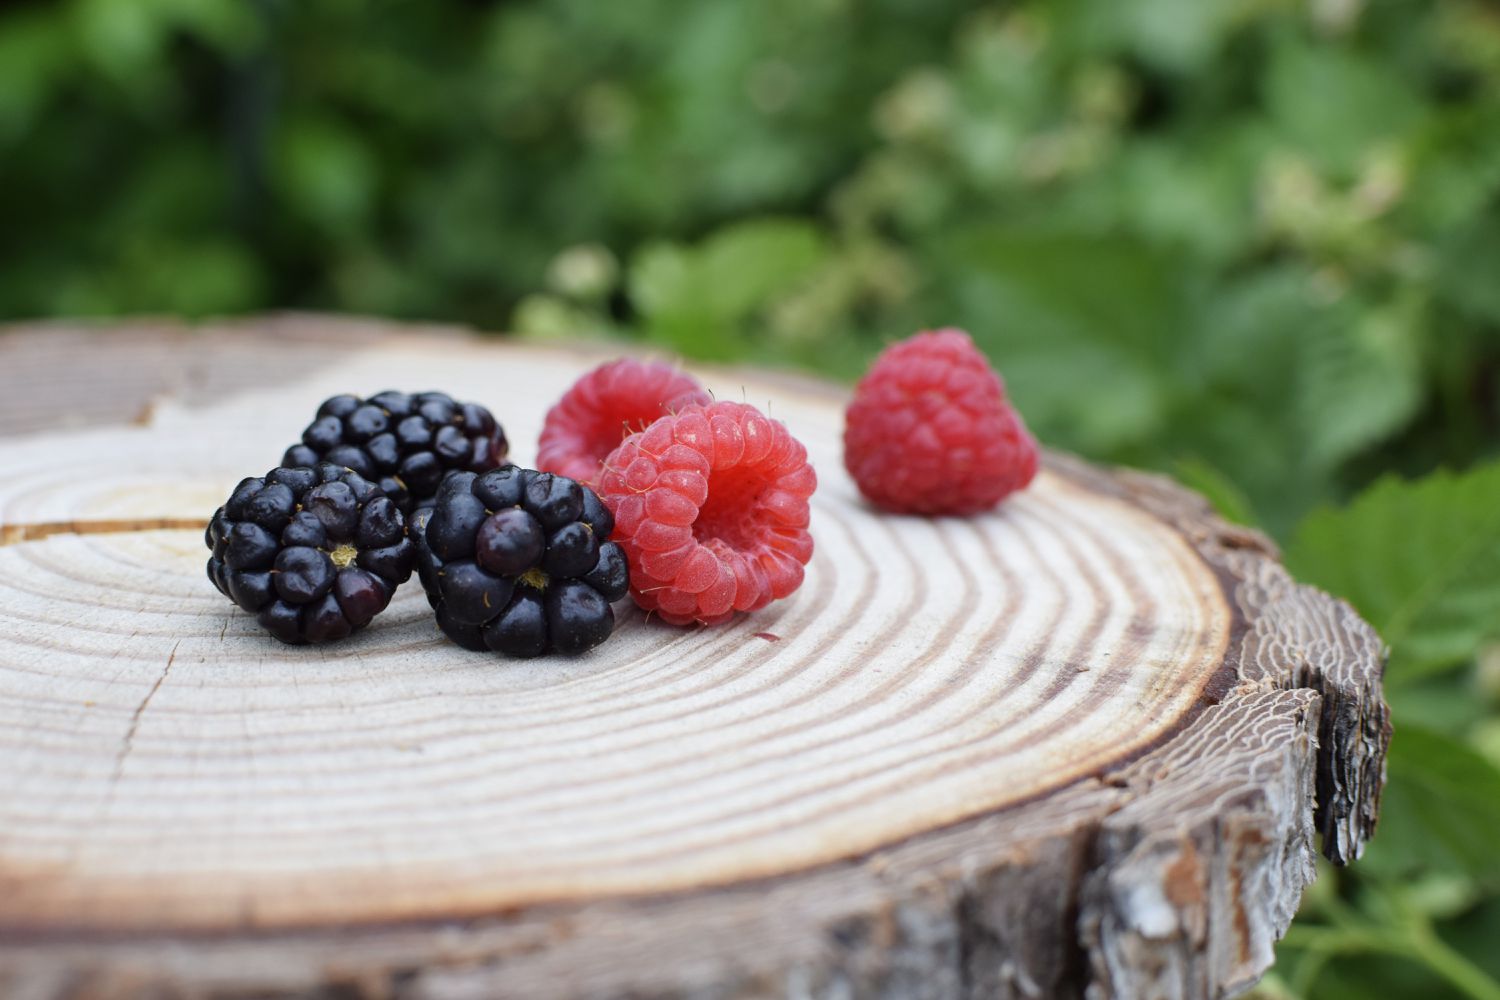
[1079,746]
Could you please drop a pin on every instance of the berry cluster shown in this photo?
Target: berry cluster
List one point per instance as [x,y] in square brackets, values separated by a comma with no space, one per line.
[313,552]
[698,509]
[519,562]
[404,443]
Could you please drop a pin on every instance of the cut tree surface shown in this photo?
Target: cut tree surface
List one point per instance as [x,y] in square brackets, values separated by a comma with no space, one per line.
[1082,746]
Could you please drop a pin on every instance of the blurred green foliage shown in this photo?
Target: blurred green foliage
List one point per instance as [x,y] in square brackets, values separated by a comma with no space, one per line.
[1255,243]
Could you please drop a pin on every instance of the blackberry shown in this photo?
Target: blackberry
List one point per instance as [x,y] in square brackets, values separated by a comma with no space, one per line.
[314,553]
[403,443]
[519,562]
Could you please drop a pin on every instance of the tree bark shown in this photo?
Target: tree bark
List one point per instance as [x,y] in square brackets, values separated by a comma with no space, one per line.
[1083,746]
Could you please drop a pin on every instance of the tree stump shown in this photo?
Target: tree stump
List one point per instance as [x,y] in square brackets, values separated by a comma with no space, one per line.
[1082,746]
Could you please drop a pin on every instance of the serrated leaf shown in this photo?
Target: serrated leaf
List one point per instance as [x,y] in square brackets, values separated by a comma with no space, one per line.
[1440,811]
[1418,559]
[1358,383]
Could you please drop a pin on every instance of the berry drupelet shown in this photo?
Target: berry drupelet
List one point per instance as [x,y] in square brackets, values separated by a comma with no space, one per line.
[519,562]
[314,553]
[403,443]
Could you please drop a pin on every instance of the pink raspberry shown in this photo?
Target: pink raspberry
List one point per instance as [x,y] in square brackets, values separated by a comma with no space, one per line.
[711,508]
[607,403]
[929,430]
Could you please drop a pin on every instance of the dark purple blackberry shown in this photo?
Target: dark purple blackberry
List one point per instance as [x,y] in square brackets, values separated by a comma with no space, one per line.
[314,553]
[519,562]
[403,443]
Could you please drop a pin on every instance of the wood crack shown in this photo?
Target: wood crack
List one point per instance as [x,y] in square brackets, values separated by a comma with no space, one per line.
[15,534]
[128,743]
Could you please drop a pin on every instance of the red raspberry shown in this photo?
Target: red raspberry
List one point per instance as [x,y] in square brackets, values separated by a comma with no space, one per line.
[711,509]
[929,430]
[602,407]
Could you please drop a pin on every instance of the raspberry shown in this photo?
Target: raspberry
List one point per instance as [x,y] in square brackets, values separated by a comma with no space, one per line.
[603,406]
[711,508]
[314,553]
[517,562]
[929,430]
[403,443]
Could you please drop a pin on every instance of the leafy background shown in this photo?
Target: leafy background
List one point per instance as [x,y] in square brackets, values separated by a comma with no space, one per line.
[1254,243]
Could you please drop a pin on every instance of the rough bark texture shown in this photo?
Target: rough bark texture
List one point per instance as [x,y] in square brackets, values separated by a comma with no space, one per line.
[1160,863]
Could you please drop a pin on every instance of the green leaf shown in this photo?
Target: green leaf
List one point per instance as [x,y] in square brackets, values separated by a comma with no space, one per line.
[1469,259]
[1337,104]
[695,298]
[1106,290]
[1083,327]
[1179,35]
[1221,491]
[1476,933]
[1418,559]
[33,56]
[325,172]
[744,266]
[1436,702]
[121,38]
[1359,382]
[661,279]
[1441,809]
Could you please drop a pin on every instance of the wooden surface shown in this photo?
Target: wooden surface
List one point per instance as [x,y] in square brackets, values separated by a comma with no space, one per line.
[1081,745]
